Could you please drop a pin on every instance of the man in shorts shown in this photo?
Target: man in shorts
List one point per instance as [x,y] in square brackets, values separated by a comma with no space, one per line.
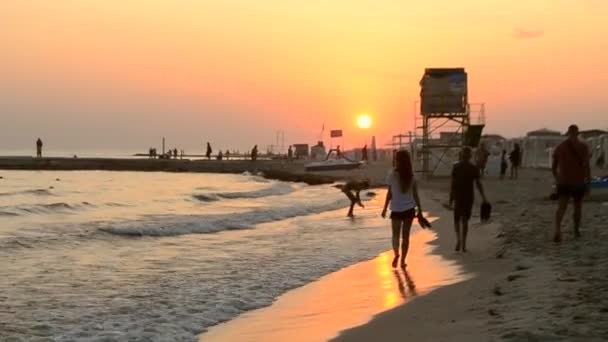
[462,195]
[572,176]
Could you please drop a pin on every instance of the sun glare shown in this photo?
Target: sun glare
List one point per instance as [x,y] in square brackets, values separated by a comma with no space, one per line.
[364,121]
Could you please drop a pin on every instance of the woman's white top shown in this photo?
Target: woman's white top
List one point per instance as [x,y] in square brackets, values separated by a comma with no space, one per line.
[400,201]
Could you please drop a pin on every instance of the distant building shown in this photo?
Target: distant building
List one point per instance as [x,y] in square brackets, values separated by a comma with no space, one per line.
[494,143]
[538,147]
[543,132]
[318,151]
[300,150]
[591,133]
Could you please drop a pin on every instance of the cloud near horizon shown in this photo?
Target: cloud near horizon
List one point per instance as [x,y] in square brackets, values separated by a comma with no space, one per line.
[522,33]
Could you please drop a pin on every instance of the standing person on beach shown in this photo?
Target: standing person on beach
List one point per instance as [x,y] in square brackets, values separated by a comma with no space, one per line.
[572,174]
[254,153]
[462,195]
[402,195]
[209,151]
[39,148]
[481,159]
[503,164]
[355,198]
[364,153]
[515,159]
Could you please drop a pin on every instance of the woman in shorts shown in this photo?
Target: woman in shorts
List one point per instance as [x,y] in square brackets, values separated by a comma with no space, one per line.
[402,195]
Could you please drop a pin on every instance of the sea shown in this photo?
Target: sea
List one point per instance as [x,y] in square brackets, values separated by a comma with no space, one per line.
[153,256]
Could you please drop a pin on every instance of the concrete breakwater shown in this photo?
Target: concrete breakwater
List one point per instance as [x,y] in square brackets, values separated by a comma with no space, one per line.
[272,169]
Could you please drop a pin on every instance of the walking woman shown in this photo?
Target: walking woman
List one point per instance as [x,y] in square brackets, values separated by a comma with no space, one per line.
[403,197]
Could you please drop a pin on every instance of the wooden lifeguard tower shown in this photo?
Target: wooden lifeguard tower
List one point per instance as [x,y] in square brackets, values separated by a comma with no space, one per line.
[444,119]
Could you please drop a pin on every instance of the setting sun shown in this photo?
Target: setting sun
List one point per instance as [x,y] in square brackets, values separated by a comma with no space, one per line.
[364,121]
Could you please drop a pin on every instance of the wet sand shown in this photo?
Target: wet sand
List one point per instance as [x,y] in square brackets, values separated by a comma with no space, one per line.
[349,297]
[526,287]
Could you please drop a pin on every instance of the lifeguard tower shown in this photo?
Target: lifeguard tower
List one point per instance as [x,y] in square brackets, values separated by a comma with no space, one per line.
[445,120]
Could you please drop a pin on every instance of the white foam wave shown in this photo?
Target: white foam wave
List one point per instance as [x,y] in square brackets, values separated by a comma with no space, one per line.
[275,190]
[37,192]
[170,226]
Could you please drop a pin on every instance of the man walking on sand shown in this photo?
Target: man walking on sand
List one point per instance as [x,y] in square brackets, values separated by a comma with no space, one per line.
[462,194]
[572,176]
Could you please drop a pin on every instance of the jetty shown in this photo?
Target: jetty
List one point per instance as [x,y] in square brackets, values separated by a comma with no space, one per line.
[268,168]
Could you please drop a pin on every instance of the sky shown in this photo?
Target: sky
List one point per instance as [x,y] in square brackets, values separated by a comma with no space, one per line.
[121,74]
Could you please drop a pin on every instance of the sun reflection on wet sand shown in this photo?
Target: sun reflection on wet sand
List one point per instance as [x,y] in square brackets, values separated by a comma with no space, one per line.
[347,298]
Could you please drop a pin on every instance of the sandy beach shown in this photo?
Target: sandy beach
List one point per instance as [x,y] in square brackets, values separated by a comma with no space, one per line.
[513,284]
[523,286]
[526,288]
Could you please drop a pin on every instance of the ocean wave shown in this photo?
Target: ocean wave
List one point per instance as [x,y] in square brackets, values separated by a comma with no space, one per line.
[172,226]
[274,190]
[44,208]
[37,192]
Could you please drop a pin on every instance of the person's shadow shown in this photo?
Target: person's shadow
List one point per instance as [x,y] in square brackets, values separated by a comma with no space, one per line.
[405,281]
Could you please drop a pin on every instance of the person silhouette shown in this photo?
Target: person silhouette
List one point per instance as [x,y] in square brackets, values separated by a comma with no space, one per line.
[355,198]
[209,151]
[39,148]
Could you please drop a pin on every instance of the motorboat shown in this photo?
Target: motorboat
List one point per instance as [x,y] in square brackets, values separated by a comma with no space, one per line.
[333,164]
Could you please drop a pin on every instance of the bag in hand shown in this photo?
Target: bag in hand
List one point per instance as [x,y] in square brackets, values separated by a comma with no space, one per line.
[485,211]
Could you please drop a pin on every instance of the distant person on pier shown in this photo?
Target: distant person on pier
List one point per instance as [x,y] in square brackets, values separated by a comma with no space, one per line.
[39,148]
[209,151]
[465,176]
[175,153]
[227,154]
[254,153]
[481,159]
[515,159]
[220,156]
[289,154]
[364,153]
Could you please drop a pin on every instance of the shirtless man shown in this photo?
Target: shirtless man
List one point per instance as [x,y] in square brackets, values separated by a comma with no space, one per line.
[465,176]
[572,176]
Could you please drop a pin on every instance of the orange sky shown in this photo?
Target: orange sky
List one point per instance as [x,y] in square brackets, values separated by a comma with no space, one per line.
[115,73]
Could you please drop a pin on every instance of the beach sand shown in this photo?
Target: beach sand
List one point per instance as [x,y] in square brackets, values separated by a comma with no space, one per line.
[319,310]
[526,288]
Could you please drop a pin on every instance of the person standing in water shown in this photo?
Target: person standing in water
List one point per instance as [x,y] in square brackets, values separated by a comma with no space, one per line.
[39,148]
[462,194]
[403,197]
[352,190]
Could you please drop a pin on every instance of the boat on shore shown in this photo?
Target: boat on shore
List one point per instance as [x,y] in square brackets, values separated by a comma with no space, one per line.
[599,186]
[333,164]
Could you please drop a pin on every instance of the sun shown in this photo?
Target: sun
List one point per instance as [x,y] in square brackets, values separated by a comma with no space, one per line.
[364,121]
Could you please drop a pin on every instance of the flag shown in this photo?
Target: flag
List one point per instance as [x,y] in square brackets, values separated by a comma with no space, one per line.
[335,133]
